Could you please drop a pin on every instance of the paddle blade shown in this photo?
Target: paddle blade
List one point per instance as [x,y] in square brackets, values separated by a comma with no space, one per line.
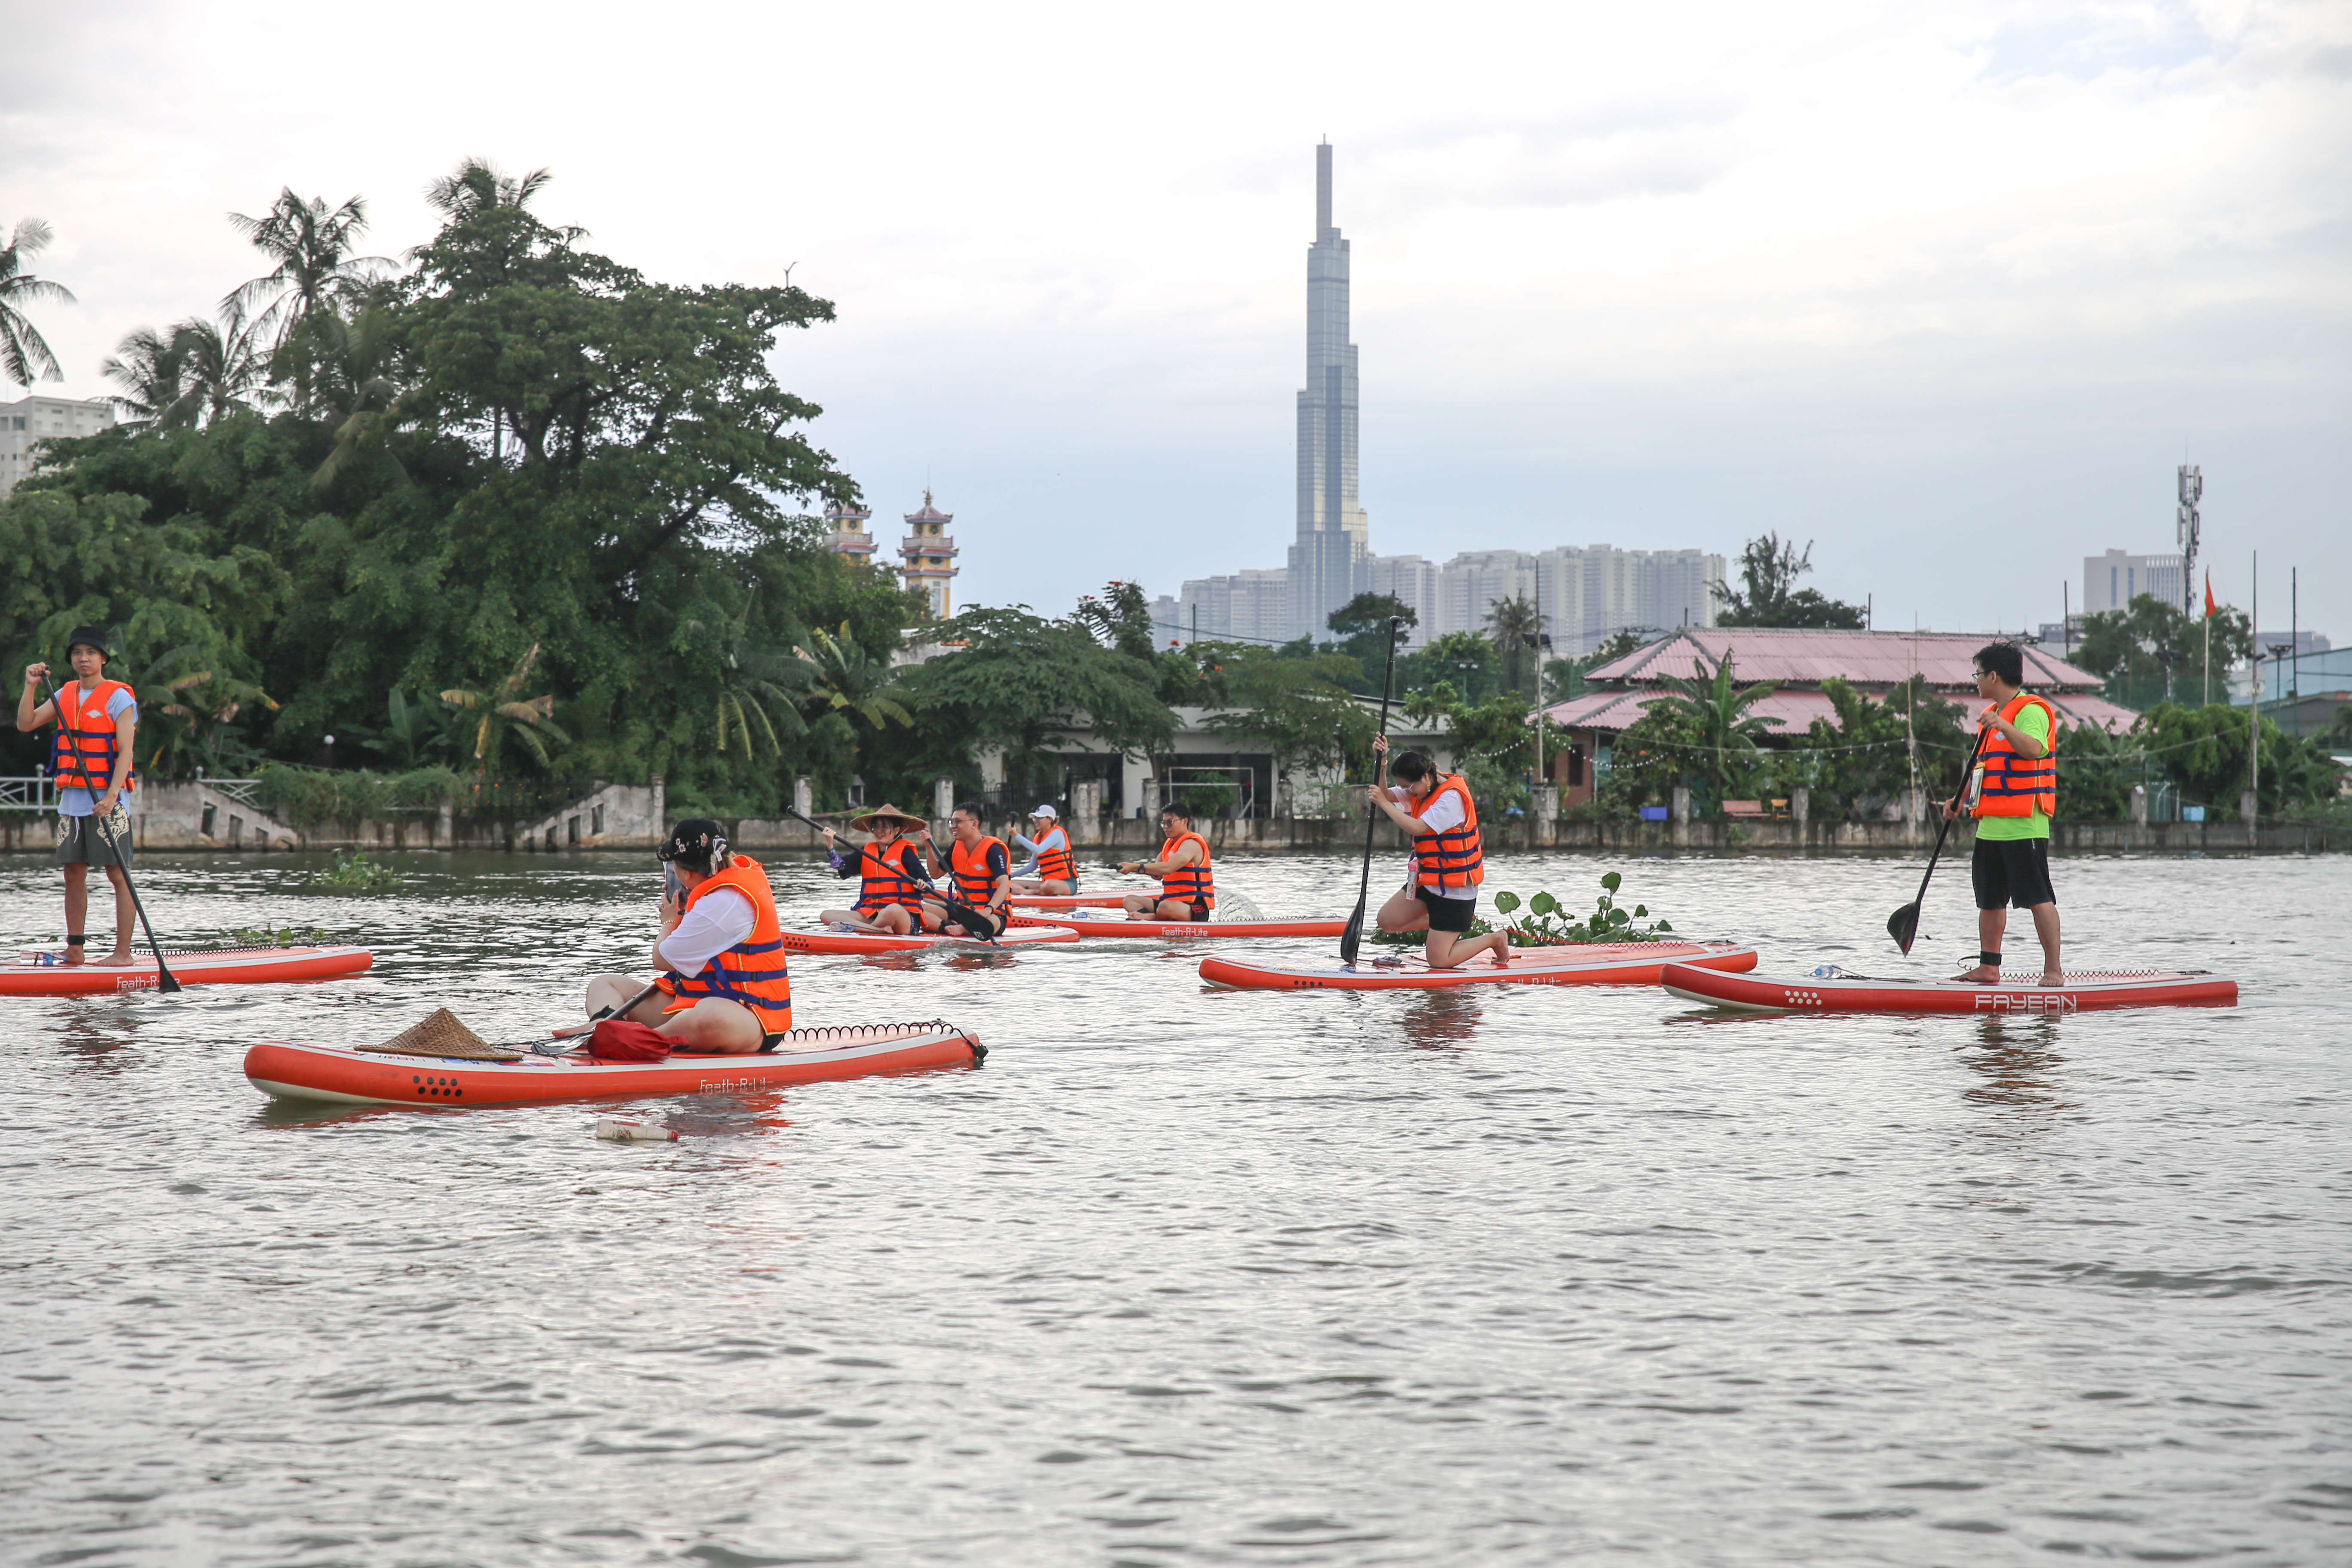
[1903,925]
[1353,937]
[165,981]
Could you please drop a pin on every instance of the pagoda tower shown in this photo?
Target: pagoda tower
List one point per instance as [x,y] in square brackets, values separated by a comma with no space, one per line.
[848,536]
[929,556]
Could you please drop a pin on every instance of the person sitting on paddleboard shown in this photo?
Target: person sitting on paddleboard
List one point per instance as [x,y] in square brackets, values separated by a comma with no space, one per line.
[2012,792]
[979,873]
[1441,891]
[90,762]
[722,987]
[1188,887]
[1048,844]
[892,880]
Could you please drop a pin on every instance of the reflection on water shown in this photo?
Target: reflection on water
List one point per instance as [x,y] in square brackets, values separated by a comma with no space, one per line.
[1437,1019]
[1498,1276]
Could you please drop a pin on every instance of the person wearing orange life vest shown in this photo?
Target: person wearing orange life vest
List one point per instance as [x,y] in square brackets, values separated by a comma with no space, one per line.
[1441,891]
[90,762]
[722,987]
[1188,887]
[979,873]
[1048,844]
[2012,792]
[892,882]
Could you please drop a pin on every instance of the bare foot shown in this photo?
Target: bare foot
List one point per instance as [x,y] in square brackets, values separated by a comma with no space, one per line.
[74,955]
[118,957]
[1982,974]
[1502,957]
[2052,977]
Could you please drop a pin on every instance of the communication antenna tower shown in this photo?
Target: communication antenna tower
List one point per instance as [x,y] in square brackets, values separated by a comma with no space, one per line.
[2192,491]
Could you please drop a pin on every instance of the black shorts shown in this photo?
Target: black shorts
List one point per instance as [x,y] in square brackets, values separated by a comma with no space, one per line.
[2012,871]
[1448,914]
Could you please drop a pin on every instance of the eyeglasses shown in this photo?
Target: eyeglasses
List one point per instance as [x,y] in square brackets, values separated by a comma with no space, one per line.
[1981,674]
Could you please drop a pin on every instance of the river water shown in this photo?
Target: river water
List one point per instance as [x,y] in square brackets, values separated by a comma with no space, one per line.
[1184,1278]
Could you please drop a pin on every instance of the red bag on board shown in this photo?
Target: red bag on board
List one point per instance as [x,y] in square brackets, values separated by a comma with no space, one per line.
[618,1040]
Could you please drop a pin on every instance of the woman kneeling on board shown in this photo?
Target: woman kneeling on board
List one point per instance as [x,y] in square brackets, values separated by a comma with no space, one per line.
[723,987]
[1440,894]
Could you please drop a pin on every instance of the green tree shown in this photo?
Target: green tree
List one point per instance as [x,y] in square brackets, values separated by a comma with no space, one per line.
[1769,568]
[1361,624]
[1518,630]
[316,275]
[223,369]
[25,355]
[1030,687]
[1463,659]
[503,711]
[2205,750]
[1708,714]
[1868,750]
[149,366]
[2150,652]
[1121,618]
[1297,708]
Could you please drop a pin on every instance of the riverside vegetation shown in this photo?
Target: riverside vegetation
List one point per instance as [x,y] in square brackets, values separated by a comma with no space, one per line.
[476,525]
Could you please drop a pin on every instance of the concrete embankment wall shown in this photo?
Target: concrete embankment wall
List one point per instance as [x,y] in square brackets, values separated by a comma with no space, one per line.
[630,817]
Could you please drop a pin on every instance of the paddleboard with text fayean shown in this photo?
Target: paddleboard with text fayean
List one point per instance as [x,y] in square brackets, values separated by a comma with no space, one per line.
[1181,930]
[1567,963]
[863,942]
[39,973]
[1831,989]
[1065,901]
[347,1075]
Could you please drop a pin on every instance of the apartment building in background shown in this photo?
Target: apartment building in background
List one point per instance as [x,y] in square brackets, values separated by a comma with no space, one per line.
[39,418]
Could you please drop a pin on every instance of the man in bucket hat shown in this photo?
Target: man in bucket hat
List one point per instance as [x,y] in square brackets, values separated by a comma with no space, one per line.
[92,763]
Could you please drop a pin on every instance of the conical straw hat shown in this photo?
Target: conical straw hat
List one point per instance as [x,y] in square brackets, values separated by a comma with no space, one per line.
[885,811]
[442,1034]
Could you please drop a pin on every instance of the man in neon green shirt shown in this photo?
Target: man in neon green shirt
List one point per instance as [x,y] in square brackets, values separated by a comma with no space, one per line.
[2011,794]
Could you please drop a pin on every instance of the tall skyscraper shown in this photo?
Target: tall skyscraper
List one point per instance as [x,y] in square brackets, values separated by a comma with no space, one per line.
[1327,564]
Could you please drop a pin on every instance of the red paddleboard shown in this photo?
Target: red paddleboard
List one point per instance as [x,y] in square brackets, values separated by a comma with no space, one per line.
[1065,901]
[861,941]
[1838,993]
[1595,964]
[292,1069]
[220,966]
[1184,930]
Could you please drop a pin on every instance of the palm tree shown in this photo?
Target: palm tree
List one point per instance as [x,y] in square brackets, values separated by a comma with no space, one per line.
[477,183]
[316,271]
[504,711]
[355,388]
[194,709]
[1712,714]
[754,686]
[1517,627]
[224,369]
[150,367]
[25,355]
[845,681]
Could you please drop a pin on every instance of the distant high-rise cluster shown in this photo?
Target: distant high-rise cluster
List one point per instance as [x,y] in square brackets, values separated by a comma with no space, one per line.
[1587,594]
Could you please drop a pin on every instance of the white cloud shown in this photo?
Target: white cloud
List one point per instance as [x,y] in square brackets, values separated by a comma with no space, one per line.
[1945,285]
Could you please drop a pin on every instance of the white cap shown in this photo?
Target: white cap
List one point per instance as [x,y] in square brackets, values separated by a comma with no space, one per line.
[1045,810]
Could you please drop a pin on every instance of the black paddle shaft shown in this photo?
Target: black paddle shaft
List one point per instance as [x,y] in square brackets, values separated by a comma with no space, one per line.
[1353,939]
[1903,925]
[165,981]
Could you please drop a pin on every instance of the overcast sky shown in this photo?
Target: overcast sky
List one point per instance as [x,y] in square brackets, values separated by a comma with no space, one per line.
[1950,289]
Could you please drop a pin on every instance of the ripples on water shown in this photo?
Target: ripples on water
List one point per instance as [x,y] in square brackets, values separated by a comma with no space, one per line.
[1189,1278]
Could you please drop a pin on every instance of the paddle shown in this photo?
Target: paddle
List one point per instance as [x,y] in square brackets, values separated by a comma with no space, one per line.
[165,981]
[1353,937]
[1903,925]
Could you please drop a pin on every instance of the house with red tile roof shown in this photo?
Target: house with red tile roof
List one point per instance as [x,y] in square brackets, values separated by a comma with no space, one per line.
[1798,660]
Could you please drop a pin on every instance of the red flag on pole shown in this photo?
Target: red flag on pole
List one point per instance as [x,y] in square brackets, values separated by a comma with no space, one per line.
[2212,609]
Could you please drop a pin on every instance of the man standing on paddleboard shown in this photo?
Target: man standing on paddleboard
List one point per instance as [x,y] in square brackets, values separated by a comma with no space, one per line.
[2012,792]
[90,764]
[1441,891]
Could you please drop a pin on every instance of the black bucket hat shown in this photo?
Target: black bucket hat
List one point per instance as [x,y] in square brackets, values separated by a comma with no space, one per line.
[91,635]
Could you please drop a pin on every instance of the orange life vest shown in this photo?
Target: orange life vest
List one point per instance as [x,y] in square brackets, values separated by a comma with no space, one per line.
[1453,857]
[2015,785]
[82,757]
[1192,884]
[752,970]
[1056,864]
[883,878]
[975,884]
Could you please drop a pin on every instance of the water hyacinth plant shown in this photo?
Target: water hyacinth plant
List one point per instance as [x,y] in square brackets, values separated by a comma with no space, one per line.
[1547,922]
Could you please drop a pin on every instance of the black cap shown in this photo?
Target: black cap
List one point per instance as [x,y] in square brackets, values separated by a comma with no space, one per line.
[92,635]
